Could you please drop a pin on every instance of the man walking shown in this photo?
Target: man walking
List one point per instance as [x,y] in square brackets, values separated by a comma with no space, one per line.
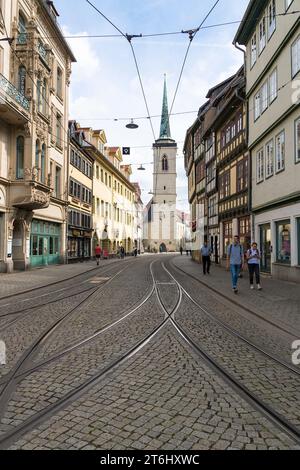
[206,254]
[235,260]
[98,253]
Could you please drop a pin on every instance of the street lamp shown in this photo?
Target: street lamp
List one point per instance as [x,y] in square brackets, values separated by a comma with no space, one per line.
[141,168]
[132,125]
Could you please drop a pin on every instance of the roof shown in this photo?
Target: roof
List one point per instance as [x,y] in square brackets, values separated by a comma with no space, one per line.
[165,132]
[219,85]
[251,17]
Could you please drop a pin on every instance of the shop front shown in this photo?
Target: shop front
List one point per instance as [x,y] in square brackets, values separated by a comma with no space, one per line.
[45,238]
[79,245]
[266,248]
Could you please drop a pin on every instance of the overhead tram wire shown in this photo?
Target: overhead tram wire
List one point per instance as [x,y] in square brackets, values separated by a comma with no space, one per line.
[192,33]
[171,33]
[129,38]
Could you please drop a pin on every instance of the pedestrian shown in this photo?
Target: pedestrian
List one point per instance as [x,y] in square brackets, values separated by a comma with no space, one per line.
[181,250]
[98,252]
[253,258]
[122,252]
[206,254]
[235,261]
[135,252]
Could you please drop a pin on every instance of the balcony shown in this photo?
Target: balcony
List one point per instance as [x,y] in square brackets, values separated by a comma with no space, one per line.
[28,193]
[14,106]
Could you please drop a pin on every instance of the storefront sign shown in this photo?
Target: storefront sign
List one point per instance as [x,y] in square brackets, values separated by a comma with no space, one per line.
[76,233]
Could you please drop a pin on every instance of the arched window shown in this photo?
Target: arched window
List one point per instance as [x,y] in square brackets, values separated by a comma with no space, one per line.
[22,79]
[43,163]
[20,158]
[165,165]
[22,30]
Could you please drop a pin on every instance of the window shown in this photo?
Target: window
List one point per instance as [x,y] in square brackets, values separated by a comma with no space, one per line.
[269,158]
[280,152]
[257,102]
[287,4]
[165,165]
[272,17]
[297,140]
[43,163]
[262,35]
[253,50]
[58,130]
[43,102]
[109,181]
[273,86]
[233,131]
[240,123]
[106,179]
[228,135]
[283,254]
[57,181]
[102,208]
[22,30]
[20,158]
[101,176]
[296,57]
[59,86]
[227,230]
[264,97]
[242,175]
[225,185]
[97,172]
[22,79]
[260,166]
[37,154]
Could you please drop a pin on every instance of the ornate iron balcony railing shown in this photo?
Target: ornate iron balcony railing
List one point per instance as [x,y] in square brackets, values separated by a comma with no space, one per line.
[12,92]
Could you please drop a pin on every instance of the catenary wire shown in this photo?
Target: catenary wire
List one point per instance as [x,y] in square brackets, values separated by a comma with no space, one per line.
[128,38]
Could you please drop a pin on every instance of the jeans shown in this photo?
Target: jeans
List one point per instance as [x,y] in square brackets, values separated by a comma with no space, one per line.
[254,269]
[206,264]
[235,270]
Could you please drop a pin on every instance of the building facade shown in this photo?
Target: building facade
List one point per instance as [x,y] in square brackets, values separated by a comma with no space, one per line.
[232,164]
[35,73]
[113,196]
[80,177]
[272,44]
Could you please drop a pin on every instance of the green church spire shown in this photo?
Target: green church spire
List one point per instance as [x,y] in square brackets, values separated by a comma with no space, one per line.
[165,132]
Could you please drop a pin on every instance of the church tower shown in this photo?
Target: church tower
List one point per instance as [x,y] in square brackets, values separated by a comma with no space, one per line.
[163,218]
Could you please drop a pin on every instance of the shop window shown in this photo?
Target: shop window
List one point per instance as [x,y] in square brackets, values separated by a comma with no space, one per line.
[34,249]
[40,246]
[51,246]
[284,242]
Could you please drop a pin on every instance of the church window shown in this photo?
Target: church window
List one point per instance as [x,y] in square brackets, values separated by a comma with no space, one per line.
[165,165]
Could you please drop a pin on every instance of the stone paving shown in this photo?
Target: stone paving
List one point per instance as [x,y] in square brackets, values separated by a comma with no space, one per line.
[279,300]
[17,282]
[162,398]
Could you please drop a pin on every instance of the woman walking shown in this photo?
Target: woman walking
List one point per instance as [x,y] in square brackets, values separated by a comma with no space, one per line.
[253,258]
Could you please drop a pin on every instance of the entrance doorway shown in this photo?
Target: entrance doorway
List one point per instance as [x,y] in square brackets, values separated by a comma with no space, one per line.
[18,255]
[163,248]
[266,250]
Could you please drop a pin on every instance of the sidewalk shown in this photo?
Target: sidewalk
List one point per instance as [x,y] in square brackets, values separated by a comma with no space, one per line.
[18,282]
[278,301]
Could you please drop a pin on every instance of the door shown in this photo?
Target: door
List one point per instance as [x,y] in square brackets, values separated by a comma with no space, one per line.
[265,243]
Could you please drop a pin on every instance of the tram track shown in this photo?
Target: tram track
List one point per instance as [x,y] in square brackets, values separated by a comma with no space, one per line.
[47,412]
[281,326]
[269,412]
[160,288]
[22,313]
[87,278]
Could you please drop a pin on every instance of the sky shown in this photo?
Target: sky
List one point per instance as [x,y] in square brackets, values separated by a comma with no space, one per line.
[105,84]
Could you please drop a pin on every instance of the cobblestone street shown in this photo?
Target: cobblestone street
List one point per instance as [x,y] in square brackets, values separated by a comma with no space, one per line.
[144,354]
